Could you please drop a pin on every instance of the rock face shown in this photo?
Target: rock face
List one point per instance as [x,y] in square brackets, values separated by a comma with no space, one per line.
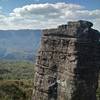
[68,63]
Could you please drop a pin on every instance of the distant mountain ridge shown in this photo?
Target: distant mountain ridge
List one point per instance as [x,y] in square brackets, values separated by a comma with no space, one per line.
[19,44]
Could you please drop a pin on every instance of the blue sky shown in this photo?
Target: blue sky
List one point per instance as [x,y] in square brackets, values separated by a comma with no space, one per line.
[13,14]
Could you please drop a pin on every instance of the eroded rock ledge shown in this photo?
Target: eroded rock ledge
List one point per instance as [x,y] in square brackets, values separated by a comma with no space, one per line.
[68,63]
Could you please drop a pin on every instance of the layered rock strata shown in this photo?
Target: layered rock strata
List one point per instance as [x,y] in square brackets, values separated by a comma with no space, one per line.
[68,63]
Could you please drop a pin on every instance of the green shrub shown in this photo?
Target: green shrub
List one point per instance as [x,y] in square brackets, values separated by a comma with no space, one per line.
[15,90]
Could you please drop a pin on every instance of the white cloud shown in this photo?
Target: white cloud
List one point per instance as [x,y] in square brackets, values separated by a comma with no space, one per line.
[47,16]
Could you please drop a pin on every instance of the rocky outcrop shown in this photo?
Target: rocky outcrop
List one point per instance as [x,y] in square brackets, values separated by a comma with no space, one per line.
[68,63]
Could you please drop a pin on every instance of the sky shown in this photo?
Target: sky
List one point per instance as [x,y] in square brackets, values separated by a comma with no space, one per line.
[41,14]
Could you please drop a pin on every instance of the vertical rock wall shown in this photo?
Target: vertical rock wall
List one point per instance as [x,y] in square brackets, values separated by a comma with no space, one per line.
[67,64]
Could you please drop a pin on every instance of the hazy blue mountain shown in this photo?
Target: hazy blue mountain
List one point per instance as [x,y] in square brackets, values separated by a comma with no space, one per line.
[19,44]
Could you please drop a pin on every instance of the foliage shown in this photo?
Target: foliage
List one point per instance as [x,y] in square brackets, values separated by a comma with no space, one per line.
[16,70]
[98,93]
[16,89]
[16,80]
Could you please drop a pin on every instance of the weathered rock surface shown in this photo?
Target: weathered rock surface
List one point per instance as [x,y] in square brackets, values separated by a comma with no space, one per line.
[68,63]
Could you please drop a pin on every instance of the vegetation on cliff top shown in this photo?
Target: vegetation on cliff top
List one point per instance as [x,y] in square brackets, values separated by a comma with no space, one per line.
[16,80]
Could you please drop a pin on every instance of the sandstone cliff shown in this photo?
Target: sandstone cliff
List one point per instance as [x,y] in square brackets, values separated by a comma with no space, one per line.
[68,63]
